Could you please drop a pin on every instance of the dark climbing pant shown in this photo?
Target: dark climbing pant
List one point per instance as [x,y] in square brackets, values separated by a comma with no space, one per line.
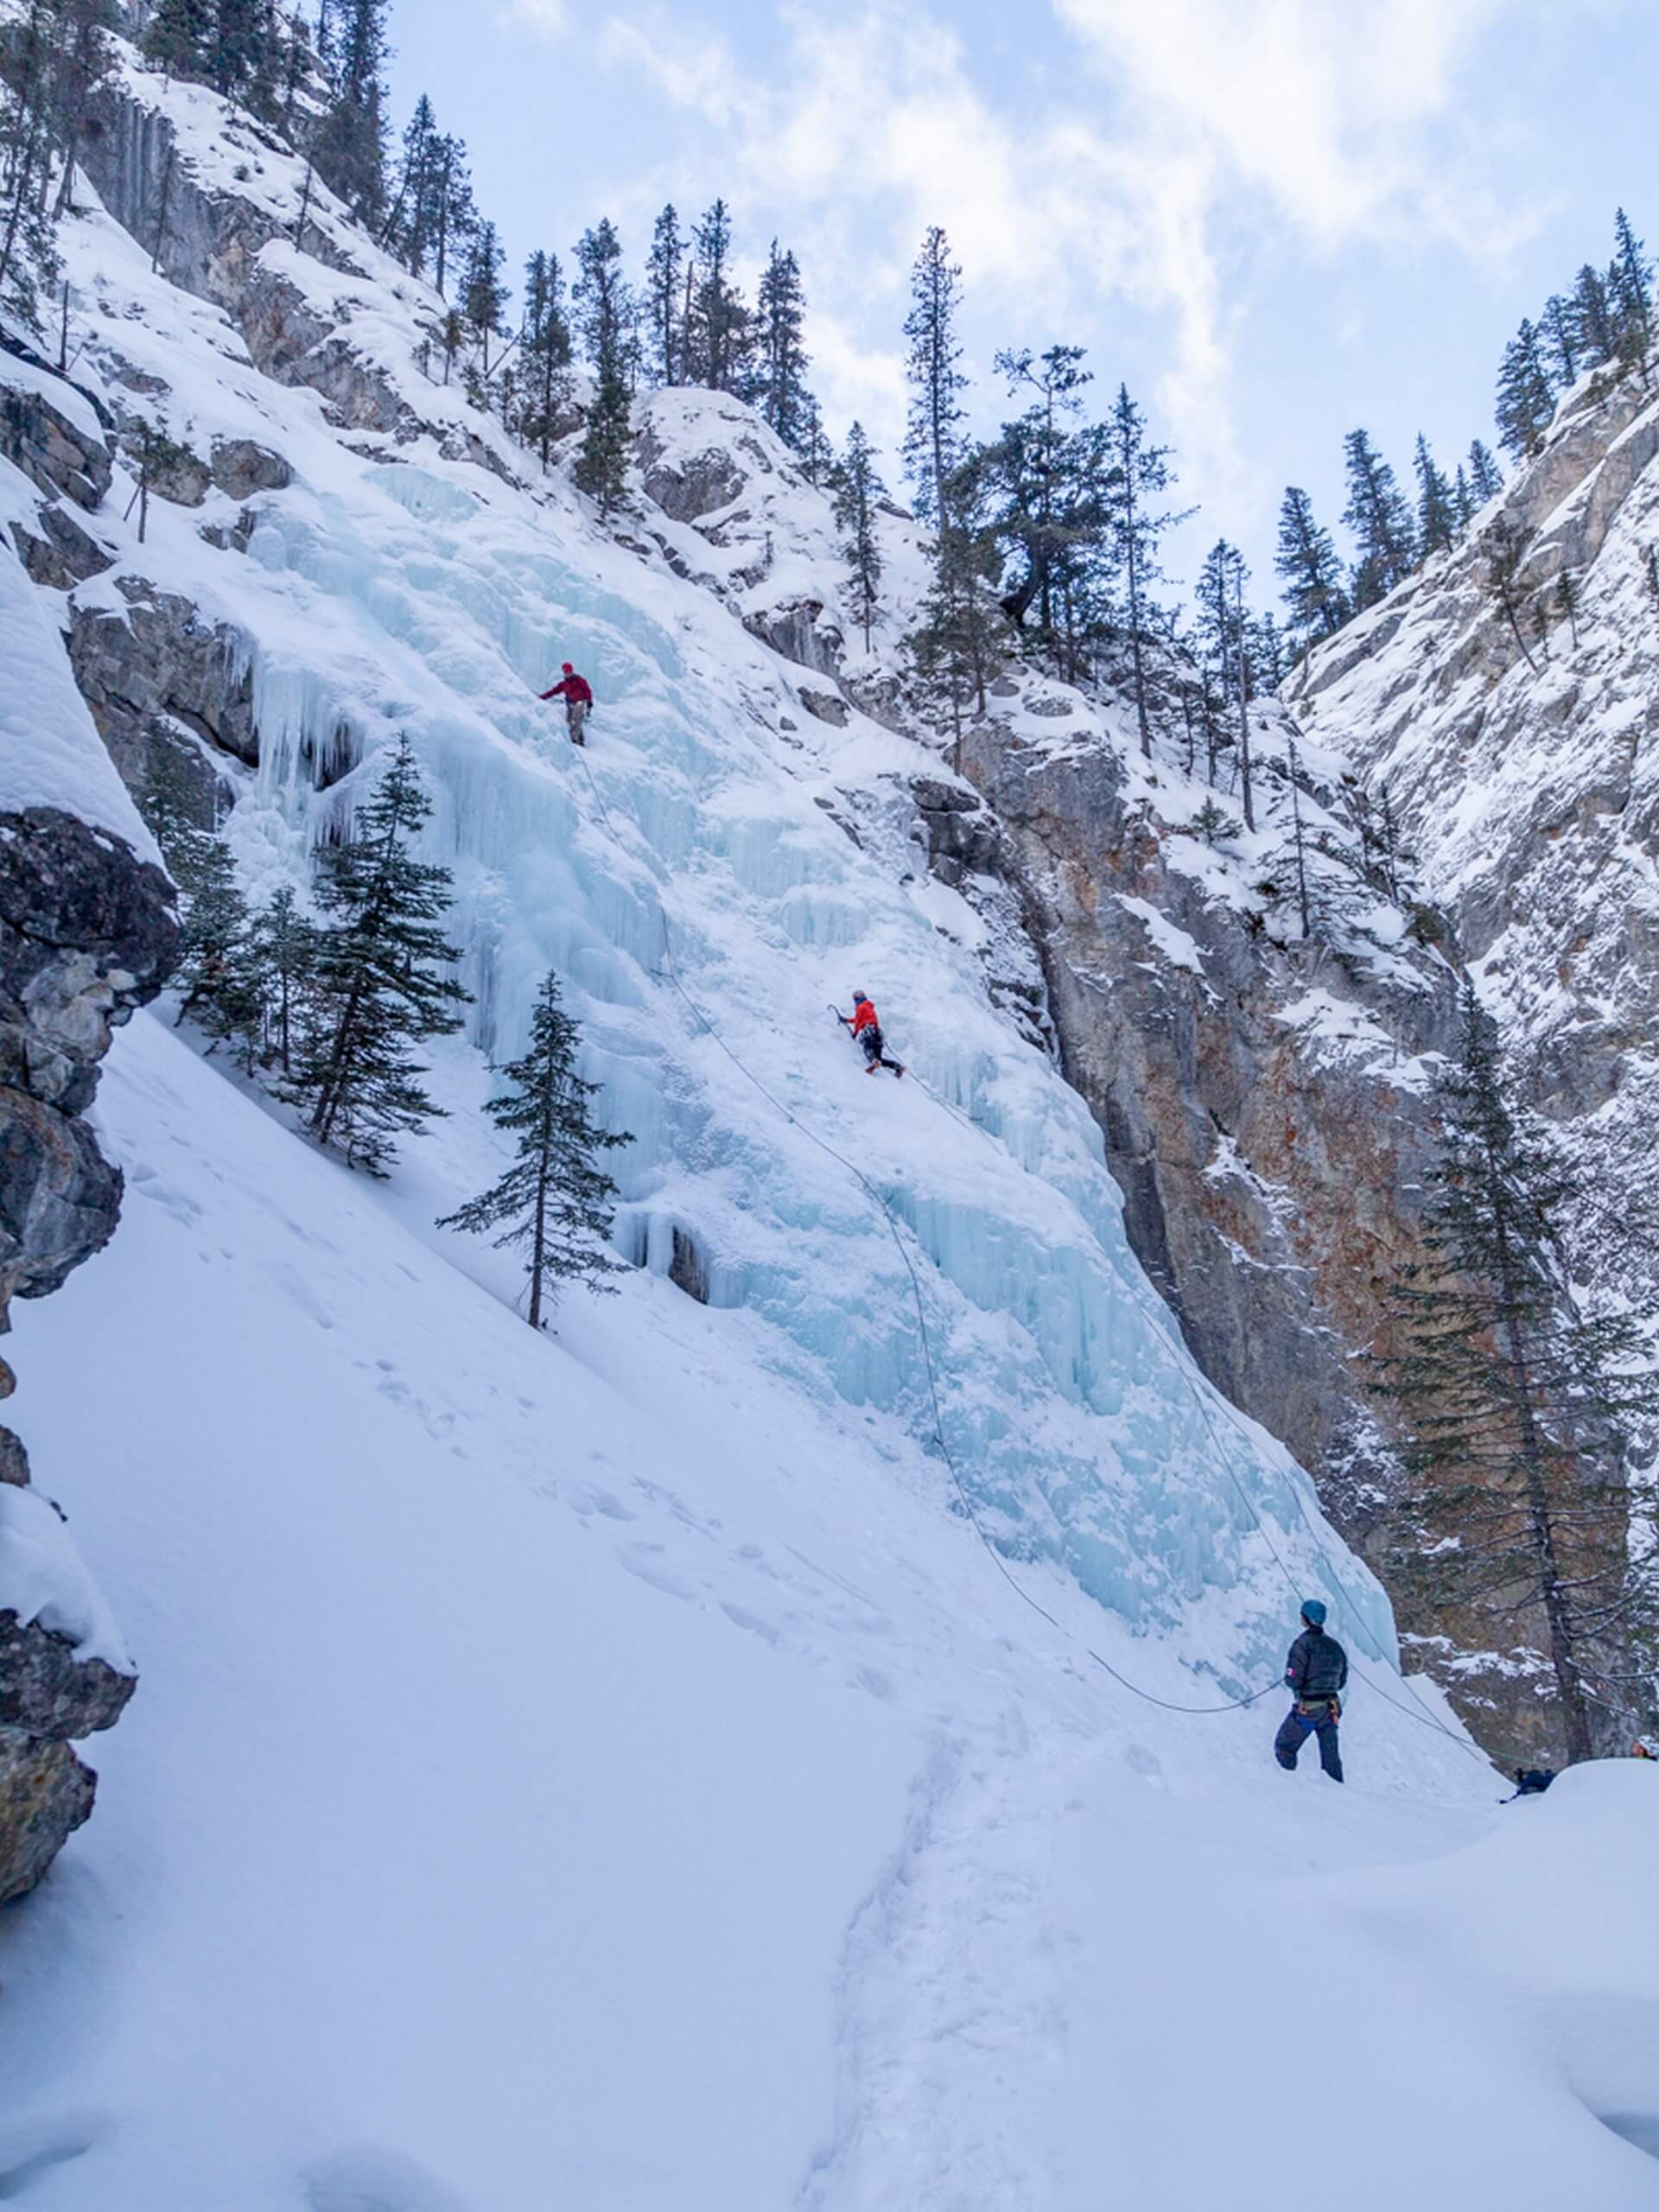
[872,1041]
[1295,1732]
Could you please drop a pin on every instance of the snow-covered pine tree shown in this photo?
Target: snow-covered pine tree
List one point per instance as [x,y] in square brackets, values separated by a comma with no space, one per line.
[350,143]
[1311,871]
[606,317]
[483,295]
[1520,1395]
[1630,282]
[381,985]
[546,338]
[665,311]
[1526,397]
[1308,561]
[555,1200]
[858,486]
[780,360]
[1437,520]
[718,332]
[1485,477]
[1377,515]
[933,432]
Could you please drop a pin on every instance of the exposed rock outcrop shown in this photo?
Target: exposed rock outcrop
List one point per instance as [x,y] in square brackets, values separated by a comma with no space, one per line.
[87,934]
[1264,1110]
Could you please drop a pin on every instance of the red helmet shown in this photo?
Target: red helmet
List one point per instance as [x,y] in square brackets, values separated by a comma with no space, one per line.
[567,668]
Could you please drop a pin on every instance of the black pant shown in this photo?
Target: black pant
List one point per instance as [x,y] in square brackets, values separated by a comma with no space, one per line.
[871,1041]
[1296,1729]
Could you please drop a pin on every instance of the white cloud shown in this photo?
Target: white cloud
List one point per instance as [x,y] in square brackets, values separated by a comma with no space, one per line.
[550,16]
[1178,122]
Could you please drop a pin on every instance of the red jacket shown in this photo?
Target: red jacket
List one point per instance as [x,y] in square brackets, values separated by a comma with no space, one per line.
[864,1017]
[574,687]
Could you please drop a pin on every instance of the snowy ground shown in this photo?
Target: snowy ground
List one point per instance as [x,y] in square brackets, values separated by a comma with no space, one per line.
[567,1773]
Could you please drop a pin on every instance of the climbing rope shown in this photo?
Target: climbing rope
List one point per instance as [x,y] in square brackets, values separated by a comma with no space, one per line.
[1232,1705]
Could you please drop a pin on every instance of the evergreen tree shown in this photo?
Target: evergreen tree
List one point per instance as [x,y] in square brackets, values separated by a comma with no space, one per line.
[1504,545]
[1595,320]
[956,641]
[238,52]
[1526,398]
[858,486]
[780,353]
[483,295]
[605,319]
[1520,1395]
[1312,567]
[547,354]
[406,230]
[1485,477]
[1046,476]
[718,331]
[1309,872]
[1437,521]
[1463,500]
[933,435]
[1377,515]
[817,455]
[1557,339]
[1221,631]
[215,973]
[664,308]
[1631,285]
[1266,653]
[350,147]
[452,217]
[555,1200]
[380,989]
[177,37]
[282,951]
[28,257]
[1565,603]
[84,59]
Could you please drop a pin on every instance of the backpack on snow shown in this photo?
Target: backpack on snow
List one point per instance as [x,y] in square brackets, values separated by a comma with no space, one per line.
[1531,1782]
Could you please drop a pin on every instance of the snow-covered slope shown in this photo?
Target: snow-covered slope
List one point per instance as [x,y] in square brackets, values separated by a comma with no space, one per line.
[591,1773]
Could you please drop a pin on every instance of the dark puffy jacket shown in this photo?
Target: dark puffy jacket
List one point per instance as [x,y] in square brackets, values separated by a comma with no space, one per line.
[1317,1666]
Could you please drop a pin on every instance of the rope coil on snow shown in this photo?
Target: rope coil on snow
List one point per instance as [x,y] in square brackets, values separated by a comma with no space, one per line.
[1413,1712]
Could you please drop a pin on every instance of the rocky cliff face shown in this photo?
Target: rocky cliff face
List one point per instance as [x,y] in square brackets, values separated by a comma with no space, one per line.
[1508,697]
[87,934]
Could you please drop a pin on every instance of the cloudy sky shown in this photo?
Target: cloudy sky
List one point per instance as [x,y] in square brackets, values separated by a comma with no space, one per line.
[1274,218]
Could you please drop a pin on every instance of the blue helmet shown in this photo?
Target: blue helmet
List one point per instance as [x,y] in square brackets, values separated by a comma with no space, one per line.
[1313,1612]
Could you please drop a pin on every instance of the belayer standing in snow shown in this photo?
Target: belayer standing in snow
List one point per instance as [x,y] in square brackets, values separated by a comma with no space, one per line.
[867,1034]
[578,702]
[1317,1673]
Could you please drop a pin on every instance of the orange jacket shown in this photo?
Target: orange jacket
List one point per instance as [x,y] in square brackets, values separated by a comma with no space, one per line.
[864,1017]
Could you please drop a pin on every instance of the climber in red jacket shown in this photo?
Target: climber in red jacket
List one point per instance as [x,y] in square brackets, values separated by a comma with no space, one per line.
[578,702]
[867,1032]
